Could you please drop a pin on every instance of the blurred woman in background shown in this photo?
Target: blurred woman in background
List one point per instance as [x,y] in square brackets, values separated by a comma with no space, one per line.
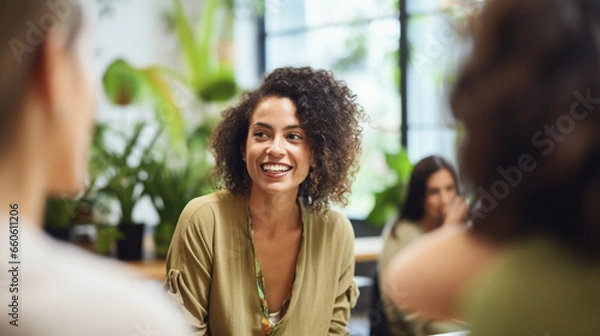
[433,192]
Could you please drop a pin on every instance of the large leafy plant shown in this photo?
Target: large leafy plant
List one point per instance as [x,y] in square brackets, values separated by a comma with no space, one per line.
[209,75]
[173,182]
[59,212]
[125,172]
[388,200]
[174,172]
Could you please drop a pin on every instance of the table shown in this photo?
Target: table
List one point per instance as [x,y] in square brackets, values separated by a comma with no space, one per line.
[365,249]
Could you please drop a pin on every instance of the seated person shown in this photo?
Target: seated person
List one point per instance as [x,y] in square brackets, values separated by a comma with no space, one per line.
[432,193]
[267,256]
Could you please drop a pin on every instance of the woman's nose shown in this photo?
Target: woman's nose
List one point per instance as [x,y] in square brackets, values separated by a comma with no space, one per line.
[276,148]
[447,197]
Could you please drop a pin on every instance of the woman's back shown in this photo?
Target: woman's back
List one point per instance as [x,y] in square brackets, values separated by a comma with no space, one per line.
[537,287]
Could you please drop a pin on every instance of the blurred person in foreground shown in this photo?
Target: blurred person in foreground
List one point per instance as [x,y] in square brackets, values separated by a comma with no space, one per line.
[432,199]
[267,256]
[528,97]
[46,117]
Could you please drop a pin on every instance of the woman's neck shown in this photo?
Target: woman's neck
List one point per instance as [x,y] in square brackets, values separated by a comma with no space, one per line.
[20,187]
[23,168]
[274,213]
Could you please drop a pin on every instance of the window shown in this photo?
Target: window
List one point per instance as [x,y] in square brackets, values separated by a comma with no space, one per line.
[359,40]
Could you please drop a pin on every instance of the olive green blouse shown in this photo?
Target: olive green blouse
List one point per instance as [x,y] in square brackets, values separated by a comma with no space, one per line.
[211,271]
[537,287]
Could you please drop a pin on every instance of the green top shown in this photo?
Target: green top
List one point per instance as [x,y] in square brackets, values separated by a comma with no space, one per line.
[403,323]
[211,271]
[268,328]
[538,287]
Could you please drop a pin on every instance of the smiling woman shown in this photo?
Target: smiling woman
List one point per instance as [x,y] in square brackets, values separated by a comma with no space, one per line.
[285,153]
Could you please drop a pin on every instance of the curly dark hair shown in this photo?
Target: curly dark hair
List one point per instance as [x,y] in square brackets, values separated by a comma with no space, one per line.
[330,117]
[528,98]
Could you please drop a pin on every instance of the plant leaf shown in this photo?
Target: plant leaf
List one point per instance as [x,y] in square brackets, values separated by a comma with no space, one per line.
[123,83]
[188,45]
[166,109]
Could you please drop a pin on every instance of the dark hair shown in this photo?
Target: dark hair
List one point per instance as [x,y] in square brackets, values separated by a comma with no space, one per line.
[327,112]
[412,207]
[528,98]
[23,29]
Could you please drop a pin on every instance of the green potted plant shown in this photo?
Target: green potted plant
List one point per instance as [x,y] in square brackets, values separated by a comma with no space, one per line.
[209,76]
[388,200]
[172,186]
[210,72]
[124,182]
[58,216]
[61,213]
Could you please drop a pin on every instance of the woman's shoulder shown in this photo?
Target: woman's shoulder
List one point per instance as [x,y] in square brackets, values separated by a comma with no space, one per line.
[204,211]
[407,229]
[215,201]
[329,221]
[51,284]
[216,197]
[543,279]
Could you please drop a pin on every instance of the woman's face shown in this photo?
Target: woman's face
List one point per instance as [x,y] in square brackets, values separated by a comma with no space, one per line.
[73,129]
[440,191]
[277,153]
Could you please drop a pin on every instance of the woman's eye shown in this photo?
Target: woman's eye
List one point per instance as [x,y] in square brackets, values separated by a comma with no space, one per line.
[433,192]
[260,134]
[294,136]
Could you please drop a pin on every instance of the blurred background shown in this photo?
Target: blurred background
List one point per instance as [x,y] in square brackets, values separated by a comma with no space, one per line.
[169,67]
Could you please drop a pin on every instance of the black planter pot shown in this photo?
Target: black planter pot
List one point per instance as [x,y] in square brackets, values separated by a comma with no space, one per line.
[130,247]
[62,234]
[363,229]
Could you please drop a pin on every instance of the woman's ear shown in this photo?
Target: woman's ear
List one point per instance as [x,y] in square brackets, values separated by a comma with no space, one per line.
[52,80]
